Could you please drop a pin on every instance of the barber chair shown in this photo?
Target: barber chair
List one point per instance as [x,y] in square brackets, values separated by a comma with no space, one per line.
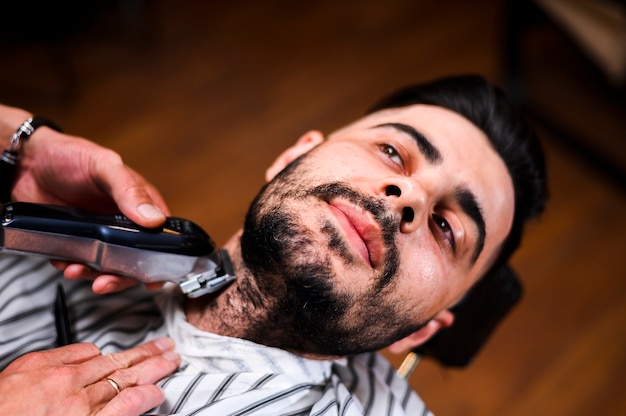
[565,66]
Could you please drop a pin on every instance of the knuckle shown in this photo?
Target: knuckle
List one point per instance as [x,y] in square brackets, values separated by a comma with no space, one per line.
[131,357]
[126,377]
[137,190]
[111,157]
[118,360]
[89,348]
[145,351]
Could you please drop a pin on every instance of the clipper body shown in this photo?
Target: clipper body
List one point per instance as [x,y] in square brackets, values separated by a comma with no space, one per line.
[179,252]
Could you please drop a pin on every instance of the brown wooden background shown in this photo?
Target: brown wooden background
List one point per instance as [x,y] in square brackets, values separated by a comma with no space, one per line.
[200,96]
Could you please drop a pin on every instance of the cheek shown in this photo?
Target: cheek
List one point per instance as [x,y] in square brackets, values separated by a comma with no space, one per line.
[422,284]
[342,161]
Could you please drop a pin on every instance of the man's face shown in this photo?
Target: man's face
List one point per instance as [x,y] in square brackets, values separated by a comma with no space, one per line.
[373,232]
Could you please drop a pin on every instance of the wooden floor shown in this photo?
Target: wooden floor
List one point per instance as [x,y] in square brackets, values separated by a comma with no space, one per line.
[200,96]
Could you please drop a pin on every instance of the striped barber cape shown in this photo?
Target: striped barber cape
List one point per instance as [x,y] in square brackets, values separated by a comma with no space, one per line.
[218,375]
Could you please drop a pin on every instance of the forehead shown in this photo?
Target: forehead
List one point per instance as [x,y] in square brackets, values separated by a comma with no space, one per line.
[468,159]
[440,124]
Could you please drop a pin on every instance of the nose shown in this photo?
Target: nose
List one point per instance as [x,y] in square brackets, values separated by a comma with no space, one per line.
[409,200]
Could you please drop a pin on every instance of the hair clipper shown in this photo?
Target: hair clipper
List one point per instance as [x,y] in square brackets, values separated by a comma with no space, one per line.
[179,251]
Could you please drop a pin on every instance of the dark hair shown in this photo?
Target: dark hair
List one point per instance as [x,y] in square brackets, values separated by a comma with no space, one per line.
[487,107]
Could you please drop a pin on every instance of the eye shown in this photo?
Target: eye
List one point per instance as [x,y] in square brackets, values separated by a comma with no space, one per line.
[444,228]
[392,154]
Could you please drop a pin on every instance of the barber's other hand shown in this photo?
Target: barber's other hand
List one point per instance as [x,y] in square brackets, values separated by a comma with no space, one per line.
[72,380]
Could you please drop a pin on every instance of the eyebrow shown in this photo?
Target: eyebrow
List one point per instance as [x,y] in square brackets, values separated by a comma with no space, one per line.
[463,196]
[467,201]
[430,152]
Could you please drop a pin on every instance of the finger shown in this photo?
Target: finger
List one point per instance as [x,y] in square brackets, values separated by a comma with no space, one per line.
[103,283]
[119,400]
[59,264]
[75,271]
[154,286]
[152,191]
[134,202]
[125,187]
[141,365]
[131,192]
[77,353]
[133,401]
[102,366]
[148,371]
[102,391]
[67,355]
[145,372]
[107,283]
[135,355]
[132,379]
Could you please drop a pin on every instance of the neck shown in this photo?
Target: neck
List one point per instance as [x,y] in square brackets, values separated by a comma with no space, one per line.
[233,310]
[243,310]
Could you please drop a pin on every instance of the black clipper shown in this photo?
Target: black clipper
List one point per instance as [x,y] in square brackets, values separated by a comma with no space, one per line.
[179,251]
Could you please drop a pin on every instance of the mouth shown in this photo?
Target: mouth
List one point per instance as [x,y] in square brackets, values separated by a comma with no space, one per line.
[361,231]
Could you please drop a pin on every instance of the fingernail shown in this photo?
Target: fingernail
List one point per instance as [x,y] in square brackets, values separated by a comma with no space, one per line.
[150,212]
[164,344]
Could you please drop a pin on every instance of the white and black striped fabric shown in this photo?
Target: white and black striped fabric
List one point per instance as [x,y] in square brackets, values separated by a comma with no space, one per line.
[218,376]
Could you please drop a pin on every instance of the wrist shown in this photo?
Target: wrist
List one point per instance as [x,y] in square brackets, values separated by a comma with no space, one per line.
[10,156]
[10,119]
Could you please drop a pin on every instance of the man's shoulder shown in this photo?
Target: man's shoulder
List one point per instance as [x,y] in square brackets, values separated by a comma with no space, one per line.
[375,385]
[361,385]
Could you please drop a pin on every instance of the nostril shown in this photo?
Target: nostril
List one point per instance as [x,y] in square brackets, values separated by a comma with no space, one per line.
[407,214]
[393,190]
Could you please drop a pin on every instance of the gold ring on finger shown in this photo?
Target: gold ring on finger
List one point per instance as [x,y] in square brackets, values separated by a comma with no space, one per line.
[116,386]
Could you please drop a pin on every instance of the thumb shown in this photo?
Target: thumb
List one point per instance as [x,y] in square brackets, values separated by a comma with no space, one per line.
[138,200]
[134,196]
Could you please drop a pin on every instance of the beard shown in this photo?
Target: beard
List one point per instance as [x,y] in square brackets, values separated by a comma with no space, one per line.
[306,312]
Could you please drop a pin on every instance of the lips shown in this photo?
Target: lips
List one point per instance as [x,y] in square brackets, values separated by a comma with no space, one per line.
[362,232]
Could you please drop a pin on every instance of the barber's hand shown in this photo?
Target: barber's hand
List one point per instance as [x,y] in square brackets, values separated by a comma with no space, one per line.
[72,380]
[57,168]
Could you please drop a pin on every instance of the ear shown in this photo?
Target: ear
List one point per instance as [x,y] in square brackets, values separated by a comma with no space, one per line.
[305,143]
[443,319]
